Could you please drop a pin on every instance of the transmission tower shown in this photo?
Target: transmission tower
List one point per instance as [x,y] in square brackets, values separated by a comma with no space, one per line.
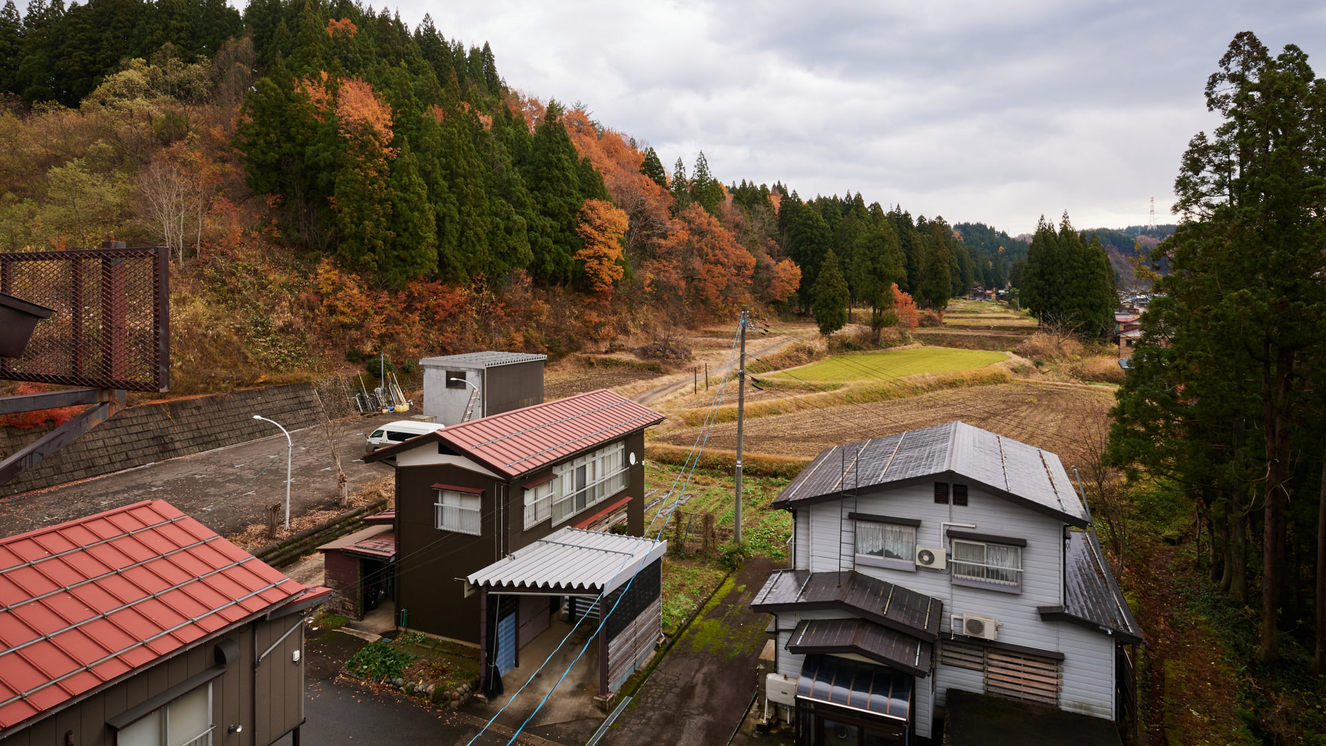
[1151,220]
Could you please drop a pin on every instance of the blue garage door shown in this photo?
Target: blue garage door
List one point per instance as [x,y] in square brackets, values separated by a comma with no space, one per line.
[506,643]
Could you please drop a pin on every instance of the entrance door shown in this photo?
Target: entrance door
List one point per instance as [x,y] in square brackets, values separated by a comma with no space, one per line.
[506,643]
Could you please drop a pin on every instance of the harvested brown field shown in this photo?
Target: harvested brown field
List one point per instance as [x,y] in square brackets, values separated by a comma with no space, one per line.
[1057,417]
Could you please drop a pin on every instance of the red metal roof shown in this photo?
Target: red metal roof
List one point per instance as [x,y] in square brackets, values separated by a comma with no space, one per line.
[520,441]
[86,602]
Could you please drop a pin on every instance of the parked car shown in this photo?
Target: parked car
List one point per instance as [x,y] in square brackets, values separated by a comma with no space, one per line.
[399,431]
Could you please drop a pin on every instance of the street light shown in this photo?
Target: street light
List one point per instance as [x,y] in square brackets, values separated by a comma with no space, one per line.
[289,452]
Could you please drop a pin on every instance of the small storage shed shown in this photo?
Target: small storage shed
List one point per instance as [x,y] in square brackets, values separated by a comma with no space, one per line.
[360,566]
[604,575]
[480,383]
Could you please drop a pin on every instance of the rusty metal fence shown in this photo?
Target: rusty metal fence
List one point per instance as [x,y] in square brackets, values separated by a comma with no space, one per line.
[110,326]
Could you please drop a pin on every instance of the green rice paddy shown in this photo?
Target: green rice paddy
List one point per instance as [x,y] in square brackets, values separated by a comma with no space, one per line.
[892,364]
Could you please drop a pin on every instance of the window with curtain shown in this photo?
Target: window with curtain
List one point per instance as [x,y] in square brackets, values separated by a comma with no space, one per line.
[458,512]
[185,722]
[538,503]
[987,564]
[886,541]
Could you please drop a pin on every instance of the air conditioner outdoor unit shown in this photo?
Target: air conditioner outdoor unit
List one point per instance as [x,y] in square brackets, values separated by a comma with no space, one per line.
[984,627]
[933,558]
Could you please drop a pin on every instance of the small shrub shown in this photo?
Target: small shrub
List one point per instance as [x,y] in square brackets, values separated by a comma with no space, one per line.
[792,356]
[379,660]
[1099,368]
[731,556]
[1050,346]
[930,317]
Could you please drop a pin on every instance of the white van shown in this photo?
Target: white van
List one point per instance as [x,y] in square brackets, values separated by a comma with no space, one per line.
[398,432]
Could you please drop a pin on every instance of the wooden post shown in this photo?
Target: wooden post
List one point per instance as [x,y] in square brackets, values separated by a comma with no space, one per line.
[710,542]
[273,513]
[677,535]
[695,379]
[706,376]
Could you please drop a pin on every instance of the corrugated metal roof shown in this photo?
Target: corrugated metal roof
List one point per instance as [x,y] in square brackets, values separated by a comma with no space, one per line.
[571,560]
[881,644]
[1008,467]
[522,440]
[487,359]
[87,602]
[1091,594]
[891,605]
[376,541]
[857,686]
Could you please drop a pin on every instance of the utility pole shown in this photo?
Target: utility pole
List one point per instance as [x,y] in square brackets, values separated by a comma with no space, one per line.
[741,416]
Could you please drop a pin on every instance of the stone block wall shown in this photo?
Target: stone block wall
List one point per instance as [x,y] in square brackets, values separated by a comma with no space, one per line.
[154,432]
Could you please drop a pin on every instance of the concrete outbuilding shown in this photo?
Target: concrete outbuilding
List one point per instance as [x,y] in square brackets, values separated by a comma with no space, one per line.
[458,388]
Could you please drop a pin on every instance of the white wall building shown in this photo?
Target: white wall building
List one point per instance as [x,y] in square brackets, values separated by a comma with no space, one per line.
[940,559]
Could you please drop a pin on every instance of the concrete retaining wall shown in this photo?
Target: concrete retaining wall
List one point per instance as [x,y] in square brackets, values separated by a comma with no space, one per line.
[155,432]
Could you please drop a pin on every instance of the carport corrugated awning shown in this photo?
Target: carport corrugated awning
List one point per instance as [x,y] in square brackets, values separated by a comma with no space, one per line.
[857,686]
[572,561]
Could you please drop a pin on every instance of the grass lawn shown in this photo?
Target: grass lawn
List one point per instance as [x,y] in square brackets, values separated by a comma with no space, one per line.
[890,364]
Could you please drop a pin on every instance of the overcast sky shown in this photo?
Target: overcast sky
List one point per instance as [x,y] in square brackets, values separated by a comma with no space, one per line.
[995,112]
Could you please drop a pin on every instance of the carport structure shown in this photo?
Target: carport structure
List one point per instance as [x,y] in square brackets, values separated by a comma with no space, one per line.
[599,573]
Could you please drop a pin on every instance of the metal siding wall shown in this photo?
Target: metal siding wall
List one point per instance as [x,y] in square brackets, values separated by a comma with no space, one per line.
[1088,672]
[802,520]
[513,387]
[86,721]
[789,664]
[825,538]
[1042,560]
[429,561]
[923,706]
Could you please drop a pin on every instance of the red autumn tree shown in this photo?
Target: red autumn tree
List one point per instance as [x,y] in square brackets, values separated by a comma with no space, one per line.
[784,282]
[905,307]
[601,226]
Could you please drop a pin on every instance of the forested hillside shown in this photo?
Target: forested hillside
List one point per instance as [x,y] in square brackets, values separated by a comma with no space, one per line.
[334,185]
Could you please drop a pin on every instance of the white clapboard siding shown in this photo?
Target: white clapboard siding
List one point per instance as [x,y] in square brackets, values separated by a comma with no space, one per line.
[1088,671]
[827,523]
[801,529]
[1042,558]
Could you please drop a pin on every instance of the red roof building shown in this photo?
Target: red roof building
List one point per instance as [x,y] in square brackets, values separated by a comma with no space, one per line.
[90,607]
[474,493]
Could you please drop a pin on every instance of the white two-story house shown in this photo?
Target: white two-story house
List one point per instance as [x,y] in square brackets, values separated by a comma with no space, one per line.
[942,559]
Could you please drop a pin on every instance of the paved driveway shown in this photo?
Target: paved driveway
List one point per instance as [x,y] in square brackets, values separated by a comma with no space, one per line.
[226,489]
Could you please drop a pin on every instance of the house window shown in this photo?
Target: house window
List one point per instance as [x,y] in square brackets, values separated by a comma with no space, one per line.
[987,565]
[456,379]
[538,503]
[458,512]
[886,544]
[185,722]
[941,493]
[589,479]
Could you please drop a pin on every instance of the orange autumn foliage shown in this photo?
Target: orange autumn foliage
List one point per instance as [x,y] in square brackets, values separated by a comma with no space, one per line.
[716,268]
[784,283]
[39,418]
[905,307]
[358,110]
[601,226]
[343,25]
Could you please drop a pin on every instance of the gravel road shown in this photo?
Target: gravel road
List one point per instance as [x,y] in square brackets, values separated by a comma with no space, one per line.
[226,489]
